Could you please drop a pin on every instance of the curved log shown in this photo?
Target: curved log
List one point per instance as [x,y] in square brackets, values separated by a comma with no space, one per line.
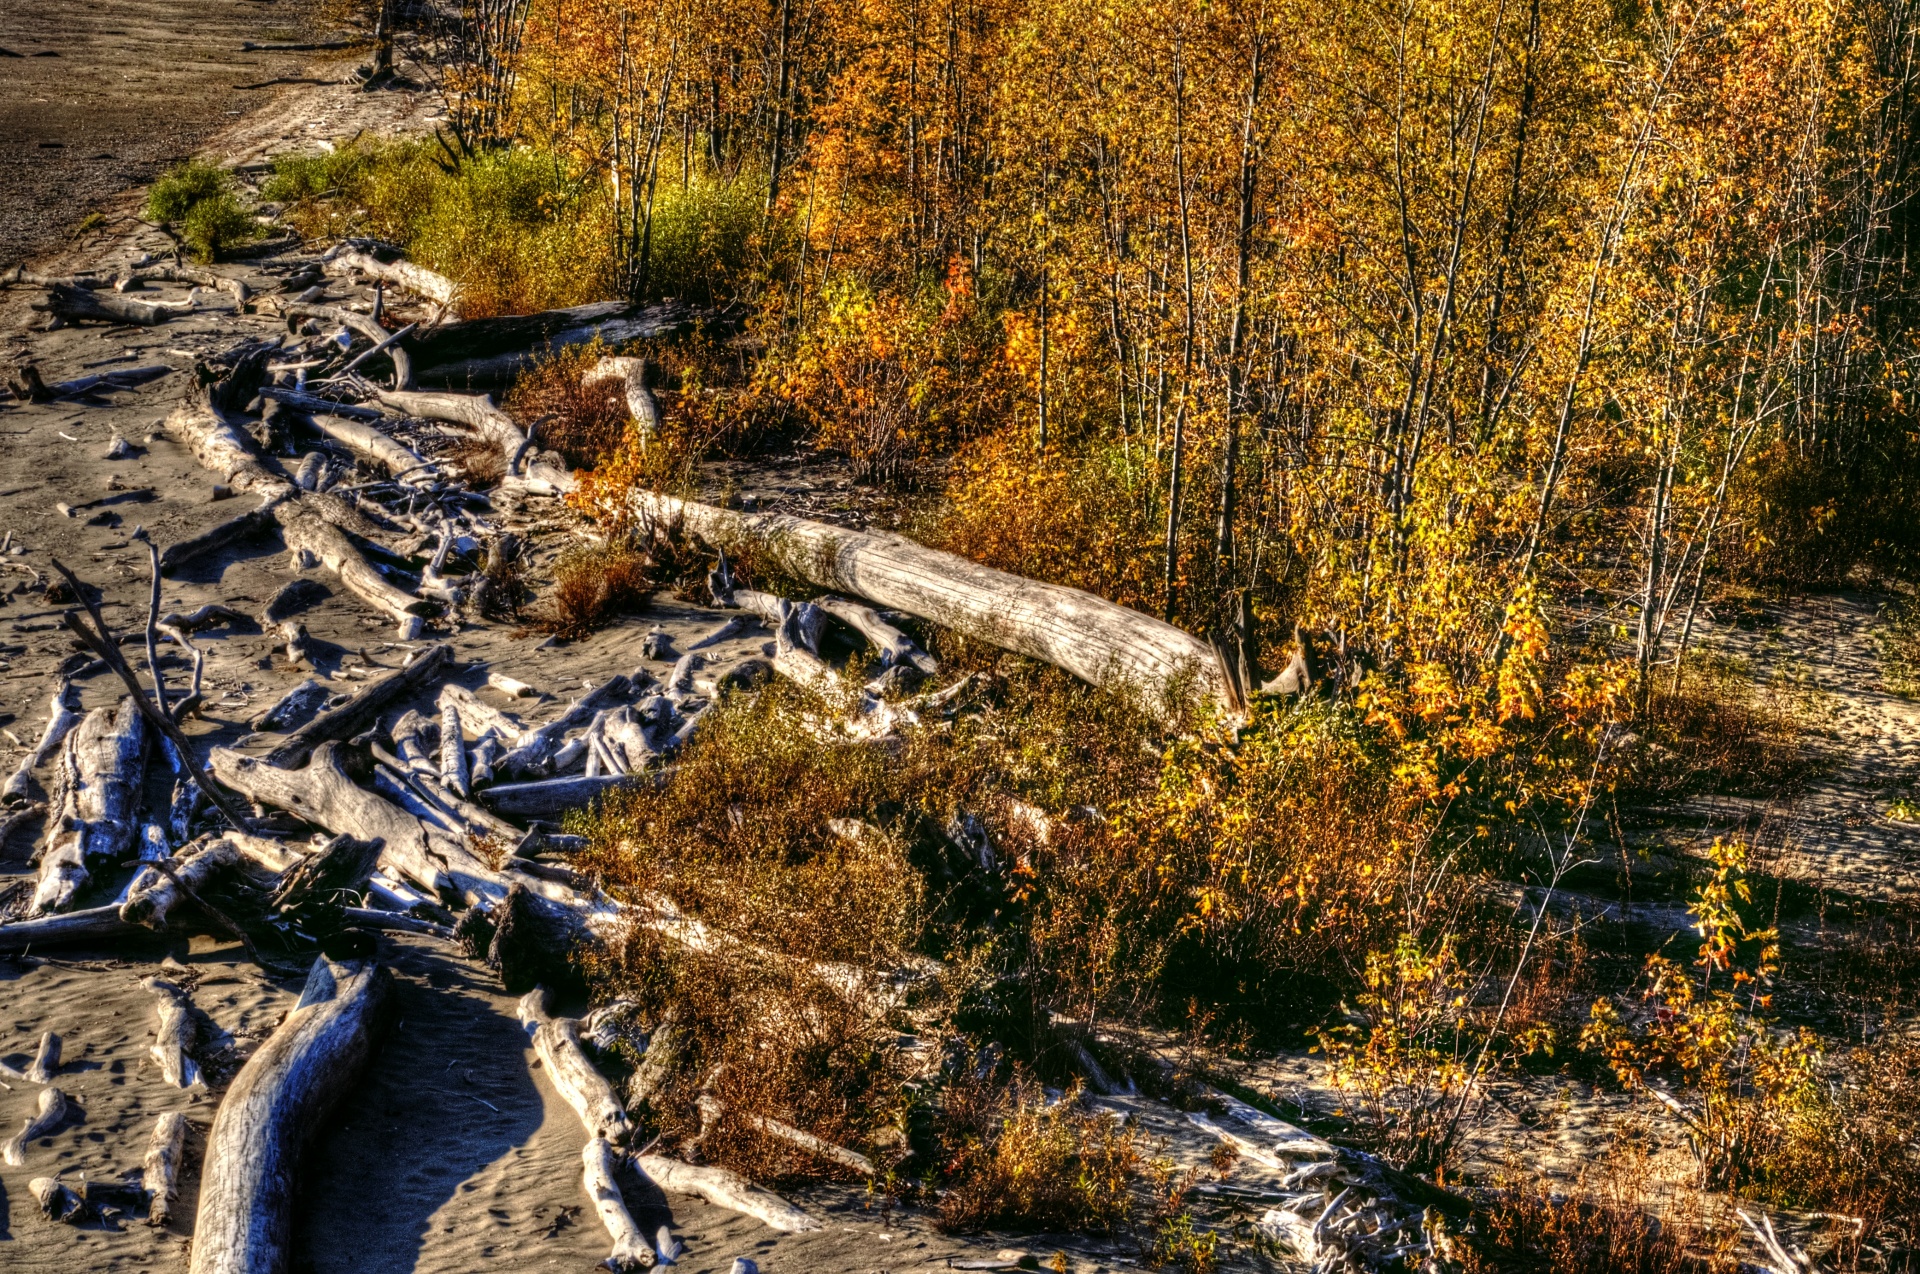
[893,646]
[1096,640]
[476,411]
[52,1109]
[726,1189]
[405,465]
[271,1110]
[61,719]
[94,814]
[557,1041]
[631,373]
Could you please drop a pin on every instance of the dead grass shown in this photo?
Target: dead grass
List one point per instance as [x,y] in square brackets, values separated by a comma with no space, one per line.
[584,423]
[591,586]
[481,460]
[1011,1157]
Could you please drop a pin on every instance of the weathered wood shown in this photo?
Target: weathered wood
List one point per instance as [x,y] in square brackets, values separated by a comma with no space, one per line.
[546,798]
[490,352]
[235,288]
[630,1248]
[631,374]
[154,894]
[453,751]
[557,1042]
[477,716]
[248,524]
[51,1110]
[417,279]
[711,1109]
[402,463]
[46,1059]
[160,1171]
[61,718]
[512,687]
[427,854]
[726,1189]
[361,711]
[173,1038]
[297,705]
[94,813]
[536,746]
[1094,639]
[363,324]
[893,646]
[270,1112]
[399,921]
[341,865]
[77,304]
[476,411]
[93,924]
[57,1202]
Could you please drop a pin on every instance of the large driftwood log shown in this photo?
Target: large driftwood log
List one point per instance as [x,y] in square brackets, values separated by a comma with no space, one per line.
[402,274]
[1094,639]
[630,1248]
[61,718]
[160,1172]
[557,1042]
[93,816]
[726,1189]
[153,894]
[271,1110]
[173,1039]
[360,712]
[52,1109]
[94,924]
[78,304]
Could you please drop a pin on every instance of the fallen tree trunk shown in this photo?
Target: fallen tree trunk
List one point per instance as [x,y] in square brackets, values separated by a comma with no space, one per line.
[1094,639]
[416,279]
[557,1042]
[271,1110]
[491,352]
[77,304]
[630,1248]
[726,1189]
[631,373]
[93,815]
[173,1039]
[160,1172]
[153,894]
[94,924]
[476,411]
[360,712]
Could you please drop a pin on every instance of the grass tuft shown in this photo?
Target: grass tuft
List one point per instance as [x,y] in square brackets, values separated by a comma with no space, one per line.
[590,587]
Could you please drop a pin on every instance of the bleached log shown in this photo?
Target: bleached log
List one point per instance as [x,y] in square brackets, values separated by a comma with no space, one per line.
[77,304]
[416,279]
[160,1171]
[51,1110]
[154,894]
[94,814]
[630,1249]
[453,752]
[725,1189]
[399,921]
[234,288]
[46,1059]
[93,924]
[893,646]
[1094,639]
[61,718]
[401,462]
[361,711]
[298,703]
[557,1042]
[478,717]
[803,621]
[363,324]
[270,1111]
[494,351]
[173,1039]
[512,687]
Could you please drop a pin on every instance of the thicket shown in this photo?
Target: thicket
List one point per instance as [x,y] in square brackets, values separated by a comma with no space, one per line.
[1491,339]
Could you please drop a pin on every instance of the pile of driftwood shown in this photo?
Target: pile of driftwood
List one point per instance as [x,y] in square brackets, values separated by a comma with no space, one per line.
[427,808]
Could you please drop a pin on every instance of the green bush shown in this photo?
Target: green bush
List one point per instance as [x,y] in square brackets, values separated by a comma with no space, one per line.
[199,199]
[703,239]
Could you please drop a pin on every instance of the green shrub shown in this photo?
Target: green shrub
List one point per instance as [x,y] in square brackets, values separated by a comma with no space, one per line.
[199,199]
[703,239]
[171,197]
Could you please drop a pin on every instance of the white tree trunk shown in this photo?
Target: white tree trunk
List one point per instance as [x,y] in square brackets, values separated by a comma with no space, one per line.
[160,1173]
[557,1041]
[726,1189]
[630,1249]
[94,814]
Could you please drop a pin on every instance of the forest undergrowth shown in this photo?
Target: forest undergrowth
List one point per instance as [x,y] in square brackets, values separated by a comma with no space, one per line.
[1492,386]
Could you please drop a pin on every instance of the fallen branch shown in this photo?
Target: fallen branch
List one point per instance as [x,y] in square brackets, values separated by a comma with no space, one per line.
[557,1042]
[247,1187]
[417,279]
[61,718]
[94,810]
[160,1172]
[52,1109]
[726,1189]
[173,1039]
[630,1249]
[361,711]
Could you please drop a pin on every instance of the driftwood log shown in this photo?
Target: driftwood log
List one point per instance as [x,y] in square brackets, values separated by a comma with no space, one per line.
[363,324]
[271,1110]
[153,894]
[1090,637]
[631,375]
[557,1042]
[52,1109]
[56,1201]
[94,811]
[361,711]
[160,1172]
[74,304]
[61,718]
[491,352]
[725,1189]
[417,279]
[92,924]
[401,462]
[46,1059]
[173,1038]
[630,1248]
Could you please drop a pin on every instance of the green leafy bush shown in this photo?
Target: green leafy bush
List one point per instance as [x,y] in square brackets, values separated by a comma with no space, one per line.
[199,200]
